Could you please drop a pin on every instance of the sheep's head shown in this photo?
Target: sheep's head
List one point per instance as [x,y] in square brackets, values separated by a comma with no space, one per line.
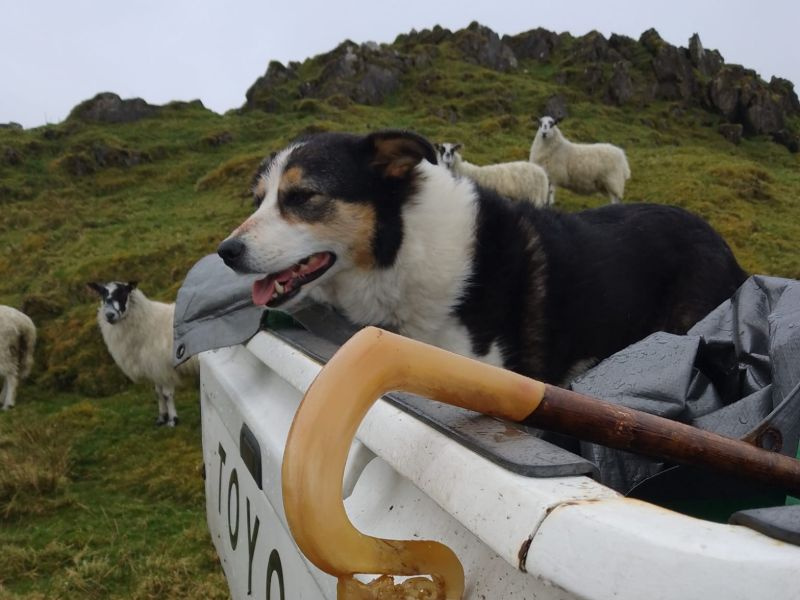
[547,127]
[114,297]
[447,153]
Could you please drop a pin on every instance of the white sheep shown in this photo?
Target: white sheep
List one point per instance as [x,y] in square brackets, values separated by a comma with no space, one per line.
[17,341]
[518,180]
[582,168]
[138,334]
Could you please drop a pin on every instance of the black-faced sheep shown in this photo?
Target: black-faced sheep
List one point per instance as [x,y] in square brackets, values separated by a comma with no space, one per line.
[518,180]
[581,168]
[17,341]
[138,334]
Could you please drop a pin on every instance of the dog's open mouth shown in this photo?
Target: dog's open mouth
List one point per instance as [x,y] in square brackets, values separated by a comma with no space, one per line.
[276,288]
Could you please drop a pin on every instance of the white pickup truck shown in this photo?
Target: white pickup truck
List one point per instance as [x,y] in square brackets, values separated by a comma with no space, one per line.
[525,518]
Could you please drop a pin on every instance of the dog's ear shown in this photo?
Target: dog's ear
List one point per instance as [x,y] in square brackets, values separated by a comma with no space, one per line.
[457,147]
[99,288]
[439,148]
[132,285]
[396,153]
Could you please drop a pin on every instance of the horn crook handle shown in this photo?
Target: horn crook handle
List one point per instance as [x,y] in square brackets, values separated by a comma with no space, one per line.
[370,364]
[374,362]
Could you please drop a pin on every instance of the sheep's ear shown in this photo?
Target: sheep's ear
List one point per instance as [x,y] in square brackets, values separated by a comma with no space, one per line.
[396,153]
[99,288]
[439,148]
[132,285]
[457,147]
[557,120]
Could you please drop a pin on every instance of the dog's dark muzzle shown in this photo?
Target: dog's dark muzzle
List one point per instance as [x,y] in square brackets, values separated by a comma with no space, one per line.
[232,251]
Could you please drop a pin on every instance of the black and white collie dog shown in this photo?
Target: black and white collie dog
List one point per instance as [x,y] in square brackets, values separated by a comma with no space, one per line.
[373,226]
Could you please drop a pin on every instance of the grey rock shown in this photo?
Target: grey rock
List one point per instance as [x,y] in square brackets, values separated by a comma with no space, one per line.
[651,41]
[537,44]
[480,45]
[763,113]
[708,62]
[556,107]
[359,73]
[592,78]
[788,138]
[731,132]
[623,45]
[107,107]
[592,47]
[788,98]
[675,79]
[620,86]
[263,94]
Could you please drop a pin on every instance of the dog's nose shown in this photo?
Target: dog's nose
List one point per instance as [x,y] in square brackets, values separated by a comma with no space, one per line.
[111,317]
[231,251]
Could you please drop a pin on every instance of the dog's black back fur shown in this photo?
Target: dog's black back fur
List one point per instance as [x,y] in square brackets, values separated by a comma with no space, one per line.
[585,285]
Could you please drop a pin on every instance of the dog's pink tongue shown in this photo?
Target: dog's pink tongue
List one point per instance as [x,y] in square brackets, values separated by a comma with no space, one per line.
[263,290]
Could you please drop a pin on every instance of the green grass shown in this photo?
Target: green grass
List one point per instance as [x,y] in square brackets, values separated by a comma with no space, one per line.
[97,503]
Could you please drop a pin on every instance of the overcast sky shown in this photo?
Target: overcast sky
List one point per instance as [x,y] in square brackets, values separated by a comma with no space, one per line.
[56,53]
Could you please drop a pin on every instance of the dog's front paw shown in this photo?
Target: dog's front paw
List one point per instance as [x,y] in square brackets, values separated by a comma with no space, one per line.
[163,419]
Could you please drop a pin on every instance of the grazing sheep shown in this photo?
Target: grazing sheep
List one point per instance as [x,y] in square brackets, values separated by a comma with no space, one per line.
[582,168]
[17,340]
[519,180]
[138,334]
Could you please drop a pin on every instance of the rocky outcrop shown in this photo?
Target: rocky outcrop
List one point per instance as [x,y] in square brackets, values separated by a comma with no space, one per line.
[623,45]
[264,93]
[787,138]
[675,78]
[366,74]
[731,132]
[707,62]
[482,46]
[537,44]
[591,48]
[740,96]
[110,108]
[620,86]
[619,70]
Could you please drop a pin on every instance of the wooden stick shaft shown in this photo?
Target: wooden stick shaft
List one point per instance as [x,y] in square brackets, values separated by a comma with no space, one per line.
[628,429]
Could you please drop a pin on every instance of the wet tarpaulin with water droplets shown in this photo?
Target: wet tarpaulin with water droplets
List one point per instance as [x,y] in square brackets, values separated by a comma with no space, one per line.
[736,373]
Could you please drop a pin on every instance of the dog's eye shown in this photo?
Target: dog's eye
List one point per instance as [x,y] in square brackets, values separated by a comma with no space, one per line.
[294,197]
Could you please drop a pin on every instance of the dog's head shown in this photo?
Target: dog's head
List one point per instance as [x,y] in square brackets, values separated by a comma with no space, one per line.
[547,126]
[330,202]
[447,153]
[114,297]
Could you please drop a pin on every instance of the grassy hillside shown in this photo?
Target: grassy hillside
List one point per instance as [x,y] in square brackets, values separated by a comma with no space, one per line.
[97,503]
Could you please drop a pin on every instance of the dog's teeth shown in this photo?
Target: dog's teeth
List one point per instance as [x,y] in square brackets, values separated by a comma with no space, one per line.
[278,287]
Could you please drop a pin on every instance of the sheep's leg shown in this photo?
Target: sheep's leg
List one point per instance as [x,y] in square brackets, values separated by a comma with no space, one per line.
[172,419]
[163,417]
[614,199]
[9,391]
[551,194]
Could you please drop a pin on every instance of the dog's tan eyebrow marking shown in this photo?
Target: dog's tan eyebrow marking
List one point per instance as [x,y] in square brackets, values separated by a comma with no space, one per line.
[291,177]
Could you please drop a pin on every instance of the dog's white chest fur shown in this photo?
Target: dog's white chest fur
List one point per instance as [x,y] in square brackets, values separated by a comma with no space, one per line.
[418,293]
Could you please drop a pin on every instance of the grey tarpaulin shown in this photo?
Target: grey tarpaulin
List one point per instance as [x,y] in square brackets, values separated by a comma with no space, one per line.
[737,373]
[213,309]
